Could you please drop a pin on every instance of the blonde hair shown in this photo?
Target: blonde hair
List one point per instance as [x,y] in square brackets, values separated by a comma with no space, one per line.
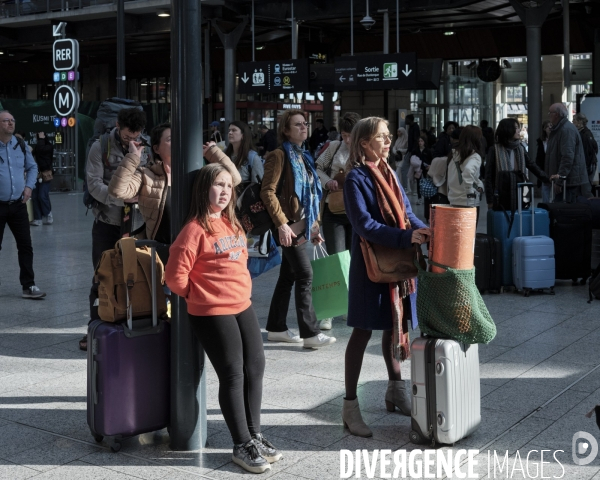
[364,129]
[200,206]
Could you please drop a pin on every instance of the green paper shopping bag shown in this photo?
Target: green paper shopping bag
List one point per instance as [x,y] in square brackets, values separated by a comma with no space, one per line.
[330,284]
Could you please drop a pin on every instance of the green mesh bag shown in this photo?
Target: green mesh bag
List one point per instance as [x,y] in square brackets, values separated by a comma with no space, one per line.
[449,306]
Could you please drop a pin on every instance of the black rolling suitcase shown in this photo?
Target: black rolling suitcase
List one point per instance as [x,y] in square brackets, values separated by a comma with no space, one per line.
[571,230]
[488,266]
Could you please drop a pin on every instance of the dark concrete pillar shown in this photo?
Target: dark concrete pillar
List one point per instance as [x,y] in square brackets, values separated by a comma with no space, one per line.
[230,41]
[533,19]
[188,384]
[567,49]
[596,62]
[121,79]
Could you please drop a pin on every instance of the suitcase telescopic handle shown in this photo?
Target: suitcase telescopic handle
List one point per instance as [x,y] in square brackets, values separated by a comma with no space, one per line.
[520,187]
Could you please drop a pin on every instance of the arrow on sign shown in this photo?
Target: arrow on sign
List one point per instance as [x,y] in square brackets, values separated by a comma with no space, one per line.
[406,71]
[342,78]
[245,78]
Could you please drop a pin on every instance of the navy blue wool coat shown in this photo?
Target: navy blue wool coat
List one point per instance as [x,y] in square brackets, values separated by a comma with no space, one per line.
[368,302]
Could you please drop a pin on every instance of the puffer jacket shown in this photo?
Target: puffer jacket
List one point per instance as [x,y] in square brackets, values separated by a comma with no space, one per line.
[564,154]
[150,184]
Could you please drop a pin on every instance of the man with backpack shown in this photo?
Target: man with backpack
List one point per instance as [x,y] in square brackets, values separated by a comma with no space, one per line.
[103,160]
[104,157]
[18,174]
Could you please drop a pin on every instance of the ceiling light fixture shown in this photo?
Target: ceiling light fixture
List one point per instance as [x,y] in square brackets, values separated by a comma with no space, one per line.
[1,52]
[260,47]
[448,33]
[164,13]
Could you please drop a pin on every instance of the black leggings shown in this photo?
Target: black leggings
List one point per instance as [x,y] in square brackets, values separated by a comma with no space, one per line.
[234,346]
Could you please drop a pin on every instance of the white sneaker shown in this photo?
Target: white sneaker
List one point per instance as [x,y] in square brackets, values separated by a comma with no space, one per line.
[287,336]
[325,324]
[49,219]
[35,223]
[320,340]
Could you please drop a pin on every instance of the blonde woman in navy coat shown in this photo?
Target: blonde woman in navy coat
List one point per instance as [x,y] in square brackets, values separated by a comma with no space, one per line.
[379,211]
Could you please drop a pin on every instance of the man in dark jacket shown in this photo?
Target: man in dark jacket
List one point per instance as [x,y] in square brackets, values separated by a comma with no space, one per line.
[319,135]
[414,132]
[443,146]
[590,147]
[42,208]
[268,140]
[488,134]
[564,155]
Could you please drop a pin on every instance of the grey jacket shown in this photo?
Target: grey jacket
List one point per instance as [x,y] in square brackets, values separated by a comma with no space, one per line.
[564,154]
[98,177]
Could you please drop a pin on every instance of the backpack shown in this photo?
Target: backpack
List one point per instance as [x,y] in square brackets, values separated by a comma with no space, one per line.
[124,275]
[251,210]
[106,120]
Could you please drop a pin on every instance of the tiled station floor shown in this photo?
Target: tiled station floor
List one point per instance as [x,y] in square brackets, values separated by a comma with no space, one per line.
[534,393]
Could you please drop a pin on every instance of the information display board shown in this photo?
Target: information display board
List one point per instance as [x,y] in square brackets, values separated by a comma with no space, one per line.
[394,71]
[275,76]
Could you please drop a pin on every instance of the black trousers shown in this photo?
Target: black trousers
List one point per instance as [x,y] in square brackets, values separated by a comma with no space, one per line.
[17,219]
[295,269]
[104,237]
[234,346]
[337,231]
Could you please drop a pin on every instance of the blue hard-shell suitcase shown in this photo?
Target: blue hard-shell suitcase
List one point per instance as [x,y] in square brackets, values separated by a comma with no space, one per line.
[533,261]
[499,226]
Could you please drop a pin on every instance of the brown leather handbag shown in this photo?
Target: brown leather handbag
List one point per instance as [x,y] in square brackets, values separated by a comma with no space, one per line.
[388,265]
[336,199]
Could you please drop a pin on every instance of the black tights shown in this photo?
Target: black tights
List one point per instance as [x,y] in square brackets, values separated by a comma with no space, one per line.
[234,346]
[355,352]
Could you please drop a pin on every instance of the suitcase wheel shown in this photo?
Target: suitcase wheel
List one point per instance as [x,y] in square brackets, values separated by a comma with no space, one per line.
[526,292]
[552,292]
[115,447]
[98,438]
[416,438]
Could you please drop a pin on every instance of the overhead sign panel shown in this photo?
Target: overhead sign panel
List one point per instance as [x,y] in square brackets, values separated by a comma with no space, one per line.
[65,54]
[276,76]
[394,71]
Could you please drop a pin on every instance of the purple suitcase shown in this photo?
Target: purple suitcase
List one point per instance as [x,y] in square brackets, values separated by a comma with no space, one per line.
[128,387]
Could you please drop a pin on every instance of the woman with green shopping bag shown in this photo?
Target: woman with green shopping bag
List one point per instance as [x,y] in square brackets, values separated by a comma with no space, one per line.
[380,213]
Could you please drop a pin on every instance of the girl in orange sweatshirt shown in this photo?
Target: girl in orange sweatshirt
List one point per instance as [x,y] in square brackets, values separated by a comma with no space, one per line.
[207,266]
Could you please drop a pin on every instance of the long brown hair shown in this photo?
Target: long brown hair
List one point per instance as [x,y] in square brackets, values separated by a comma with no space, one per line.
[284,124]
[469,142]
[200,206]
[545,123]
[245,146]
[364,129]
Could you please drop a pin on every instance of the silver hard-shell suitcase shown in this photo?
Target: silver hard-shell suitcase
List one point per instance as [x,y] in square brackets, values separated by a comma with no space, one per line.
[446,404]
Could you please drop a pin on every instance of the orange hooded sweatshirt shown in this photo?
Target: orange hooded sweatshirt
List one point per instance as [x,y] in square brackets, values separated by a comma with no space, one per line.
[210,271]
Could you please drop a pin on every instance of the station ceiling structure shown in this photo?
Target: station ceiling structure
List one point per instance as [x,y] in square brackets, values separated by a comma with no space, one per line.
[449,29]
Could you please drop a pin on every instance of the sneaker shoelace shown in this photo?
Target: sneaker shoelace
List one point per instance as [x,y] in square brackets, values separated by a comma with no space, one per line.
[260,438]
[252,450]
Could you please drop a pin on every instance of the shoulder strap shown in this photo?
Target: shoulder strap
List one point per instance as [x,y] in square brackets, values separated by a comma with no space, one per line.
[282,177]
[21,143]
[330,165]
[460,179]
[105,147]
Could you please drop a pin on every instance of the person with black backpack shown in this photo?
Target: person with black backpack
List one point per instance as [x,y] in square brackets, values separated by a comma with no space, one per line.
[104,157]
[18,173]
[508,155]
